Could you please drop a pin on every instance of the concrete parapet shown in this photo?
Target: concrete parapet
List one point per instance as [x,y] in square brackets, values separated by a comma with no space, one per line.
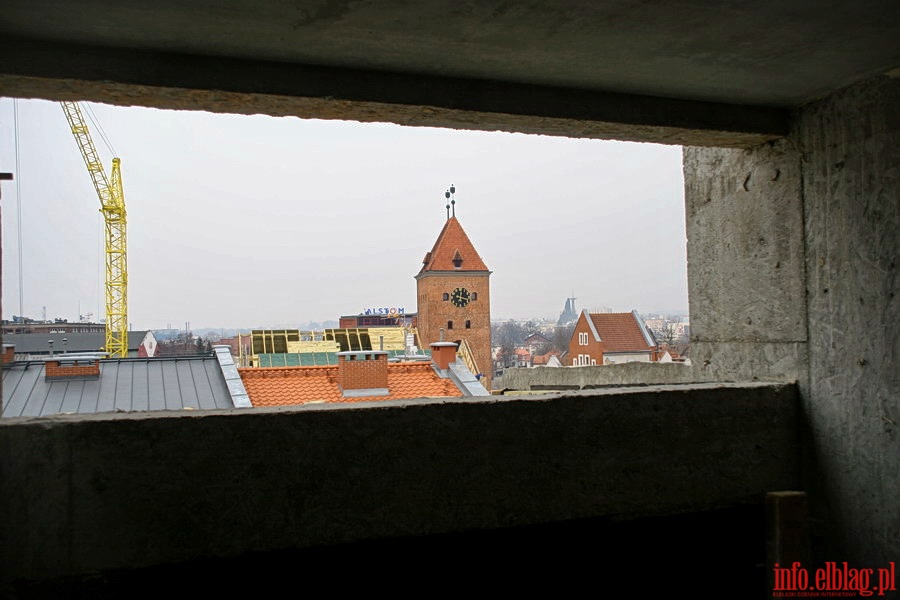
[89,494]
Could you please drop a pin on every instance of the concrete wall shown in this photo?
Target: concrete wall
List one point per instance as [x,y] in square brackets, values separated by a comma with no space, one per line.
[567,378]
[792,271]
[89,494]
[850,144]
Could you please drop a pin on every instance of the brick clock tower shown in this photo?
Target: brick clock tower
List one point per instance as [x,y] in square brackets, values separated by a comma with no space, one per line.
[454,294]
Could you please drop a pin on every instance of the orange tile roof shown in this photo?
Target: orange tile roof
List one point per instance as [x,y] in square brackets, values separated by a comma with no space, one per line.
[543,359]
[620,332]
[281,386]
[452,243]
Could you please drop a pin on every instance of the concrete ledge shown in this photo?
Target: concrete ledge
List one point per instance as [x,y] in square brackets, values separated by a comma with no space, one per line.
[89,494]
[596,376]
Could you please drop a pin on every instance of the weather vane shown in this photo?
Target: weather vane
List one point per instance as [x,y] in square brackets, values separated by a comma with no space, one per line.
[451,200]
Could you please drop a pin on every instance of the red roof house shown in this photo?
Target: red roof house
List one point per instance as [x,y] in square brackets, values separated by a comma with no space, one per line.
[611,338]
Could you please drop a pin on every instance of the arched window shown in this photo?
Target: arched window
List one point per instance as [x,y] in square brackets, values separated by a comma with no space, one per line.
[468,324]
[445,297]
[449,324]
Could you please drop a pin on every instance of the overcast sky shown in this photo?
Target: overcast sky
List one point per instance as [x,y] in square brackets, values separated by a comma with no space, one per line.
[237,221]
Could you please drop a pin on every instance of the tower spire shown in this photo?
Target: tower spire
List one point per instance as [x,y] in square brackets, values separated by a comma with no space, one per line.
[453,199]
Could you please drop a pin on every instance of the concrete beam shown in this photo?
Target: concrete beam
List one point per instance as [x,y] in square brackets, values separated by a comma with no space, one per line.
[63,71]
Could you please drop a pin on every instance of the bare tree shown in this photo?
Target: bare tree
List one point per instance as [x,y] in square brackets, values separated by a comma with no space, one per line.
[561,336]
[666,334]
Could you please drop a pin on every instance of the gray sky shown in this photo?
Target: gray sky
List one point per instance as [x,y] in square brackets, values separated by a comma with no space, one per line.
[237,221]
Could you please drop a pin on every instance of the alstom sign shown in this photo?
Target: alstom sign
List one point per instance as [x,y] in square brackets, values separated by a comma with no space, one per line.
[389,312]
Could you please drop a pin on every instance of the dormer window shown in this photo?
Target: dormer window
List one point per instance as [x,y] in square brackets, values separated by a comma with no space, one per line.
[457,260]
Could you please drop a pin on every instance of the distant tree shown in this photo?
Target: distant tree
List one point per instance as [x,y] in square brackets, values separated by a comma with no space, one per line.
[508,336]
[208,346]
[561,336]
[666,334]
[543,348]
[199,345]
[181,345]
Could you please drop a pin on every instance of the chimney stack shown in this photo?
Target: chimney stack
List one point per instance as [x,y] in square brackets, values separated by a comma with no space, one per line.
[9,353]
[442,354]
[363,373]
[72,366]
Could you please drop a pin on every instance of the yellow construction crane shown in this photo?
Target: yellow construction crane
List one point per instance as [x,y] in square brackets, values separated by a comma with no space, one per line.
[112,205]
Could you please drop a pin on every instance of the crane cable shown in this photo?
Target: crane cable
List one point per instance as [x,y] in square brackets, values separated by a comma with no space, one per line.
[99,128]
[18,205]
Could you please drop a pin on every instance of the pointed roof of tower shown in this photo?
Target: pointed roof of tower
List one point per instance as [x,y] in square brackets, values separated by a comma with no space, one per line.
[453,248]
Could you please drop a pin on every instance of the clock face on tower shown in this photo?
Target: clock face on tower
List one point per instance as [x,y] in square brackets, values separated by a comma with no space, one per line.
[460,297]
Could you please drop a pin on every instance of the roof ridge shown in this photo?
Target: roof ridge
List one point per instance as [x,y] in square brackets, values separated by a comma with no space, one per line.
[453,251]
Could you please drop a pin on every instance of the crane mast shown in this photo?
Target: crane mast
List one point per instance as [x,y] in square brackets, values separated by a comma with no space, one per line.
[112,206]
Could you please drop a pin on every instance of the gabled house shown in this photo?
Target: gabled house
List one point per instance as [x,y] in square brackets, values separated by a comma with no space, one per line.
[611,338]
[536,342]
[550,359]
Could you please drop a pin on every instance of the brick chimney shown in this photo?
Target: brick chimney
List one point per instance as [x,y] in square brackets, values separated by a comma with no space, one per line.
[72,366]
[442,354]
[363,373]
[9,353]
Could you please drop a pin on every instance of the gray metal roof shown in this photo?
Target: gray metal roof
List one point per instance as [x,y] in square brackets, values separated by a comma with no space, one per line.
[128,384]
[36,343]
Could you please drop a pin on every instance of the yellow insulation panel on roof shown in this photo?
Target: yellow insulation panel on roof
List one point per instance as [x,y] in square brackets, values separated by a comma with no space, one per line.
[313,346]
[394,338]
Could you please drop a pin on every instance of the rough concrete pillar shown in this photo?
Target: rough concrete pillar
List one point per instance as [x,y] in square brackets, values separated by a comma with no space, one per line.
[850,143]
[745,262]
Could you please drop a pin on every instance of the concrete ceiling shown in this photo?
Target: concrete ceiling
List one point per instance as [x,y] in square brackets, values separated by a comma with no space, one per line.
[765,54]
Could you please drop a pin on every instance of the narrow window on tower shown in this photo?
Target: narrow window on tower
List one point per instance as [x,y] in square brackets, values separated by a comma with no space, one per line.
[449,324]
[445,297]
[468,324]
[474,295]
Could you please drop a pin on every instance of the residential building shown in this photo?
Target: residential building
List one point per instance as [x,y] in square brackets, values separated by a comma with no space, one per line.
[25,325]
[550,359]
[140,343]
[364,376]
[535,342]
[611,338]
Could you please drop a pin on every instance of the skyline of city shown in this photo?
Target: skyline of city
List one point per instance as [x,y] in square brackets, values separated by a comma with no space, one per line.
[239,220]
